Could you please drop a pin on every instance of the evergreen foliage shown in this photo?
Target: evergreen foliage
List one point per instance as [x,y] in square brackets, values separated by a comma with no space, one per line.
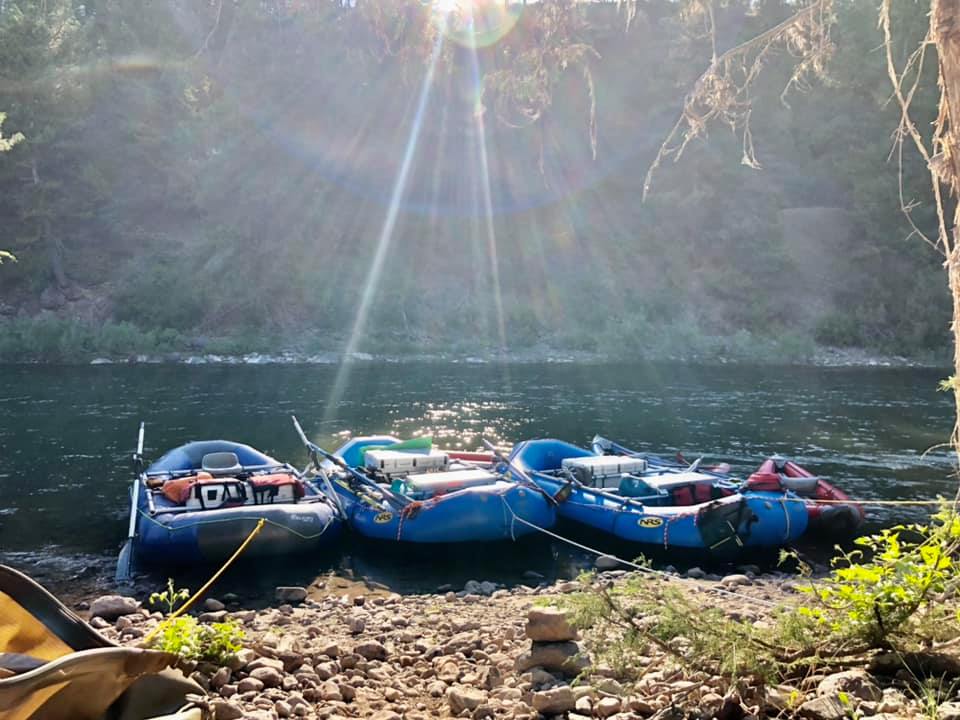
[227,174]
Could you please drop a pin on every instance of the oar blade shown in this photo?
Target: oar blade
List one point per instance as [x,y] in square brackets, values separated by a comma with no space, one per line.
[125,563]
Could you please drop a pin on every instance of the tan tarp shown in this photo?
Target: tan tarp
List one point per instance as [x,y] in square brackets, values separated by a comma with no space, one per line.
[79,674]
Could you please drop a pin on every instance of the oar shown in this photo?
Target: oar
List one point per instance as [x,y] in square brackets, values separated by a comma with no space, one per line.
[521,473]
[125,559]
[601,445]
[316,451]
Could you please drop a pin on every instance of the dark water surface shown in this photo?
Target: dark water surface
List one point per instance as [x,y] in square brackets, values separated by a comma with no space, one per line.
[66,435]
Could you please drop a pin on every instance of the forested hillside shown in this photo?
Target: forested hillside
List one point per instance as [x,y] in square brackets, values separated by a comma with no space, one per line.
[221,176]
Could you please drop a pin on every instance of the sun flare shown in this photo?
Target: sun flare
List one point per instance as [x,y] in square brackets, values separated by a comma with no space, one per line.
[476,23]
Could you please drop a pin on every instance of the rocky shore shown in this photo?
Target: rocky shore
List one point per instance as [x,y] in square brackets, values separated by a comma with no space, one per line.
[330,652]
[818,357]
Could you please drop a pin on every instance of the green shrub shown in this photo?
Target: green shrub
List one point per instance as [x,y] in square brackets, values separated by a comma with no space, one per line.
[902,598]
[191,640]
[48,338]
[898,594]
[188,638]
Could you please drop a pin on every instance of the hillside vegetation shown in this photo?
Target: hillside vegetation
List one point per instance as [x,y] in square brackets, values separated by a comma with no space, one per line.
[219,176]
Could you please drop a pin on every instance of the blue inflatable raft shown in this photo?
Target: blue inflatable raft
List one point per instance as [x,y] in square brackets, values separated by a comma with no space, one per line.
[200,501]
[664,506]
[430,496]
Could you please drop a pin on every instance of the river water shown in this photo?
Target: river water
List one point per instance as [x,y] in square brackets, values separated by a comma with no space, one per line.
[67,433]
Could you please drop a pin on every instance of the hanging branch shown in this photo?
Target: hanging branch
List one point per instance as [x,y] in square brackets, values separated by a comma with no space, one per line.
[522,93]
[724,92]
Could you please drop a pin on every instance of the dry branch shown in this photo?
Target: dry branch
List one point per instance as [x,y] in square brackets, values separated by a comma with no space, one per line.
[724,92]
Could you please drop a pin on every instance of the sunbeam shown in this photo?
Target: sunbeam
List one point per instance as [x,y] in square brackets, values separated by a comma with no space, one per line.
[386,235]
[481,143]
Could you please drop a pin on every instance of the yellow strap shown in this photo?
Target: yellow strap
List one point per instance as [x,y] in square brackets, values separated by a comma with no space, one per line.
[186,606]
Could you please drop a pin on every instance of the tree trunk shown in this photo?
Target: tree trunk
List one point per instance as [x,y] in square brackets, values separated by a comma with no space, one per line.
[54,246]
[945,30]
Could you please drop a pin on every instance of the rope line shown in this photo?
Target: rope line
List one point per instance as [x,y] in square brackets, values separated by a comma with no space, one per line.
[206,586]
[852,501]
[635,566]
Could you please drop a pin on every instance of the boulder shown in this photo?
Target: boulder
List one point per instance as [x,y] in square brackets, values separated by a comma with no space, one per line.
[857,683]
[734,580]
[461,697]
[110,607]
[554,702]
[562,657]
[549,624]
[290,594]
[696,573]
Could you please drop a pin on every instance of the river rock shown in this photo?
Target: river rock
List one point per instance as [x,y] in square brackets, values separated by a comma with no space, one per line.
[734,580]
[461,697]
[781,697]
[549,624]
[270,677]
[605,707]
[949,711]
[827,707]
[386,715]
[858,683]
[356,624]
[606,562]
[330,650]
[264,662]
[554,702]
[290,594]
[220,678]
[330,691]
[213,605]
[98,623]
[110,607]
[564,657]
[371,650]
[893,701]
[249,684]
[695,573]
[226,710]
[641,706]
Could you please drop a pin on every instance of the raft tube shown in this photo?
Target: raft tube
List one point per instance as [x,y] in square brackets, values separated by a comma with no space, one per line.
[830,510]
[169,534]
[724,525]
[482,513]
